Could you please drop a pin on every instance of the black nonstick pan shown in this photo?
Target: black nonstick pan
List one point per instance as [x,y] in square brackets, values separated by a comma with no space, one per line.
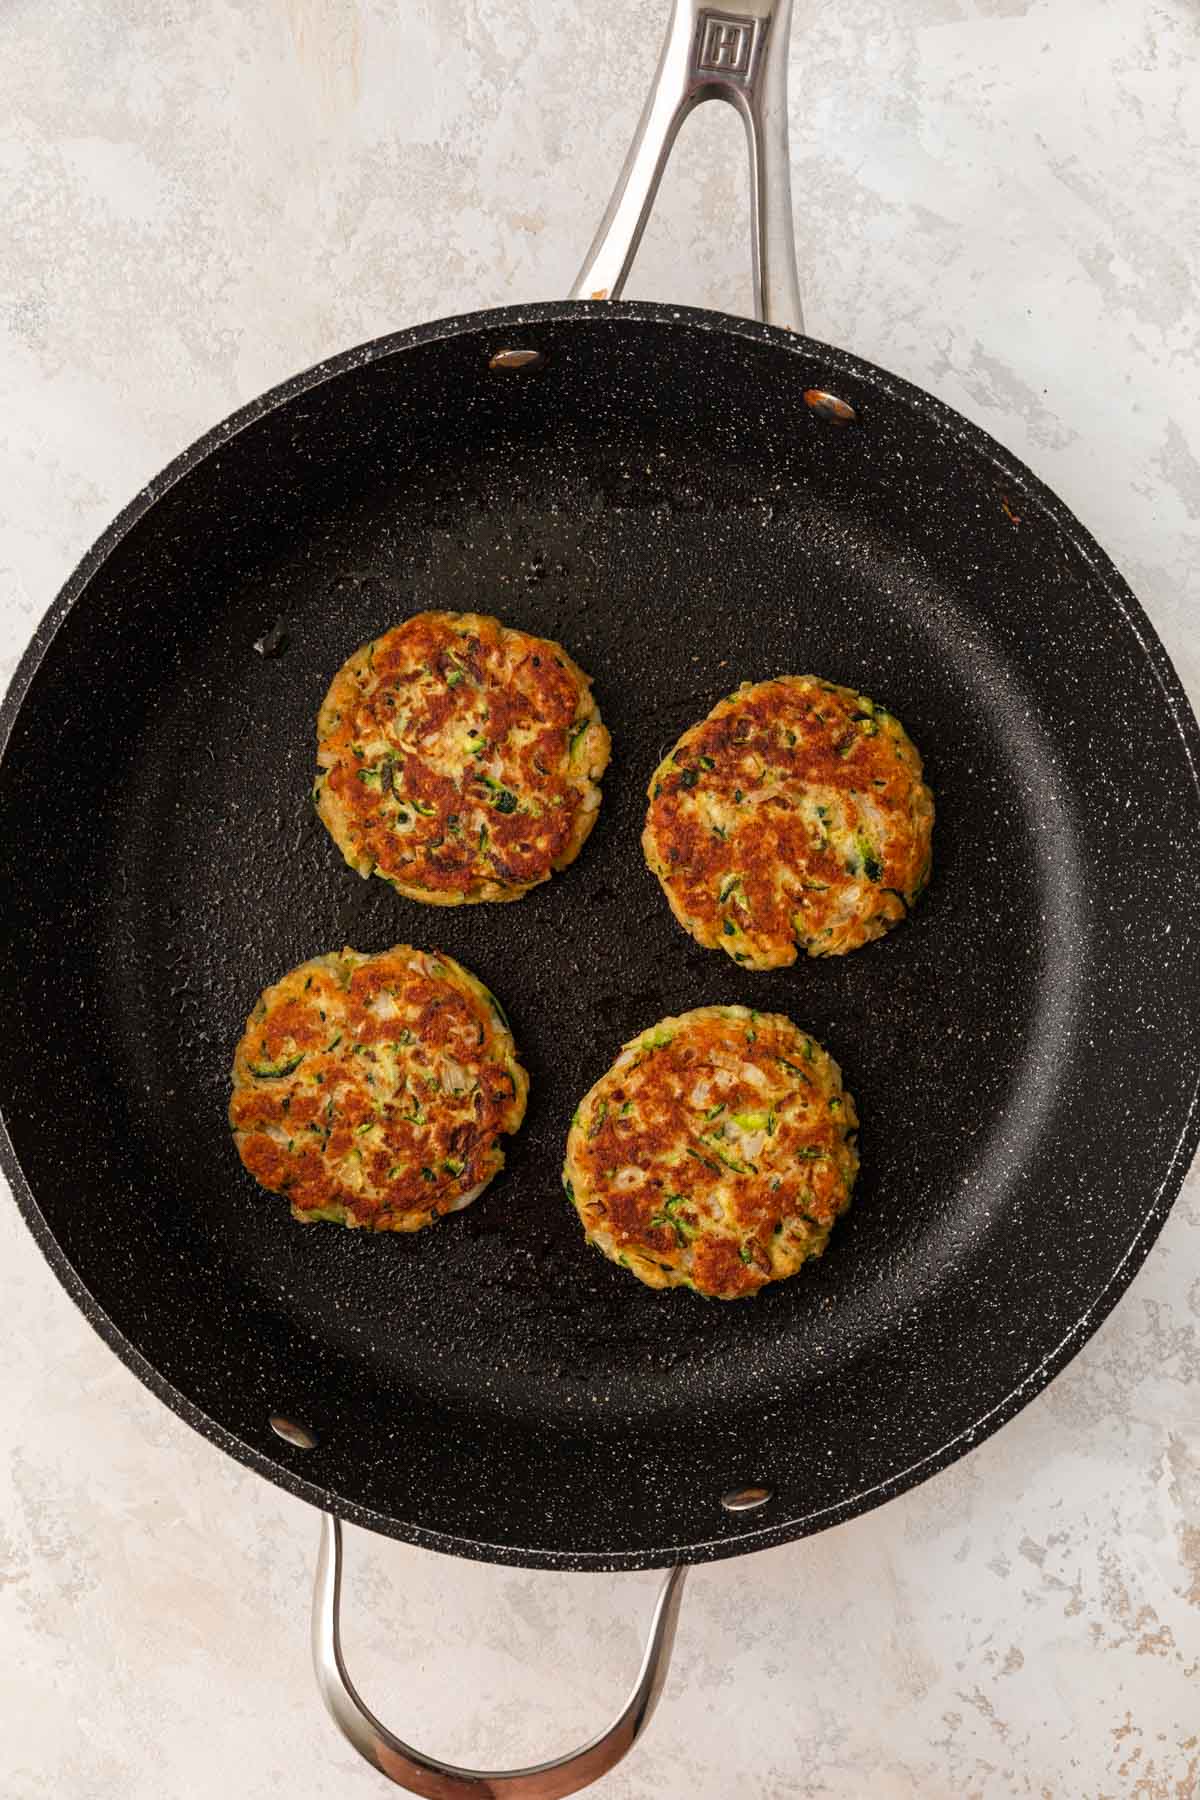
[686,500]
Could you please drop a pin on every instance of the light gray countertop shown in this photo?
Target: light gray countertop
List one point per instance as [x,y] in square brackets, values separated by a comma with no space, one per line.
[996,199]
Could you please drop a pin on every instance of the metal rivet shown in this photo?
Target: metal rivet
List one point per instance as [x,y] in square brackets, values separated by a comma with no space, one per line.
[291,1433]
[273,642]
[516,359]
[828,406]
[747,1499]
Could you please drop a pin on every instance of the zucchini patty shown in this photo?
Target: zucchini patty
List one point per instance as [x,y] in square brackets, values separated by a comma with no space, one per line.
[372,1090]
[459,760]
[794,817]
[715,1154]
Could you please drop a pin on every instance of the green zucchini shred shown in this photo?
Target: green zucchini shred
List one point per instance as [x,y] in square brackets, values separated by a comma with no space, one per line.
[497,1008]
[872,866]
[275,1071]
[733,1165]
[666,1217]
[502,798]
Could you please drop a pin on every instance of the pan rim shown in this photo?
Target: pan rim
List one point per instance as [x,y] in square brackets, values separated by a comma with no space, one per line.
[742,1537]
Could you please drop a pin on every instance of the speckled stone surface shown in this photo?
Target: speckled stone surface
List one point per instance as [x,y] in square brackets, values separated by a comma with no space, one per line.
[995,202]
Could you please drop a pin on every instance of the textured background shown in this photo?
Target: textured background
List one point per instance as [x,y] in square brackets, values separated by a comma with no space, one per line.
[996,198]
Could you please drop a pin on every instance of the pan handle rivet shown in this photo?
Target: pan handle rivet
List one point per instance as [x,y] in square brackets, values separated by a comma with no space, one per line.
[291,1433]
[516,359]
[747,1499]
[828,406]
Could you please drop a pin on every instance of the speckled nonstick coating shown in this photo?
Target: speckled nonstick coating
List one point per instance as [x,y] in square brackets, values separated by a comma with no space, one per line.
[1024,1050]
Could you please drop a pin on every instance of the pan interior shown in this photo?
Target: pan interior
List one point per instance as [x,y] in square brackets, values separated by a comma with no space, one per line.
[659,497]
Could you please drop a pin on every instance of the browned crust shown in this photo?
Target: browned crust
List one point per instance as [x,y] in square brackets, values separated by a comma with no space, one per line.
[795,816]
[459,759]
[716,1153]
[404,1080]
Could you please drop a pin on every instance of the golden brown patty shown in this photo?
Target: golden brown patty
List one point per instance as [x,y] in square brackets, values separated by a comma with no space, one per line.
[715,1154]
[794,817]
[459,760]
[372,1090]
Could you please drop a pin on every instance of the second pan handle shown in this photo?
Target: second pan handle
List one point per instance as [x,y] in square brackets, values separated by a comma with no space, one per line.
[738,55]
[423,1774]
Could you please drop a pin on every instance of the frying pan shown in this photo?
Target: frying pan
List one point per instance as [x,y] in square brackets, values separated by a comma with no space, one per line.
[687,500]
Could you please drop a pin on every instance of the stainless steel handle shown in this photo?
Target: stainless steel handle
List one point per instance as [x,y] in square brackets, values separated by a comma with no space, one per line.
[421,1774]
[740,56]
